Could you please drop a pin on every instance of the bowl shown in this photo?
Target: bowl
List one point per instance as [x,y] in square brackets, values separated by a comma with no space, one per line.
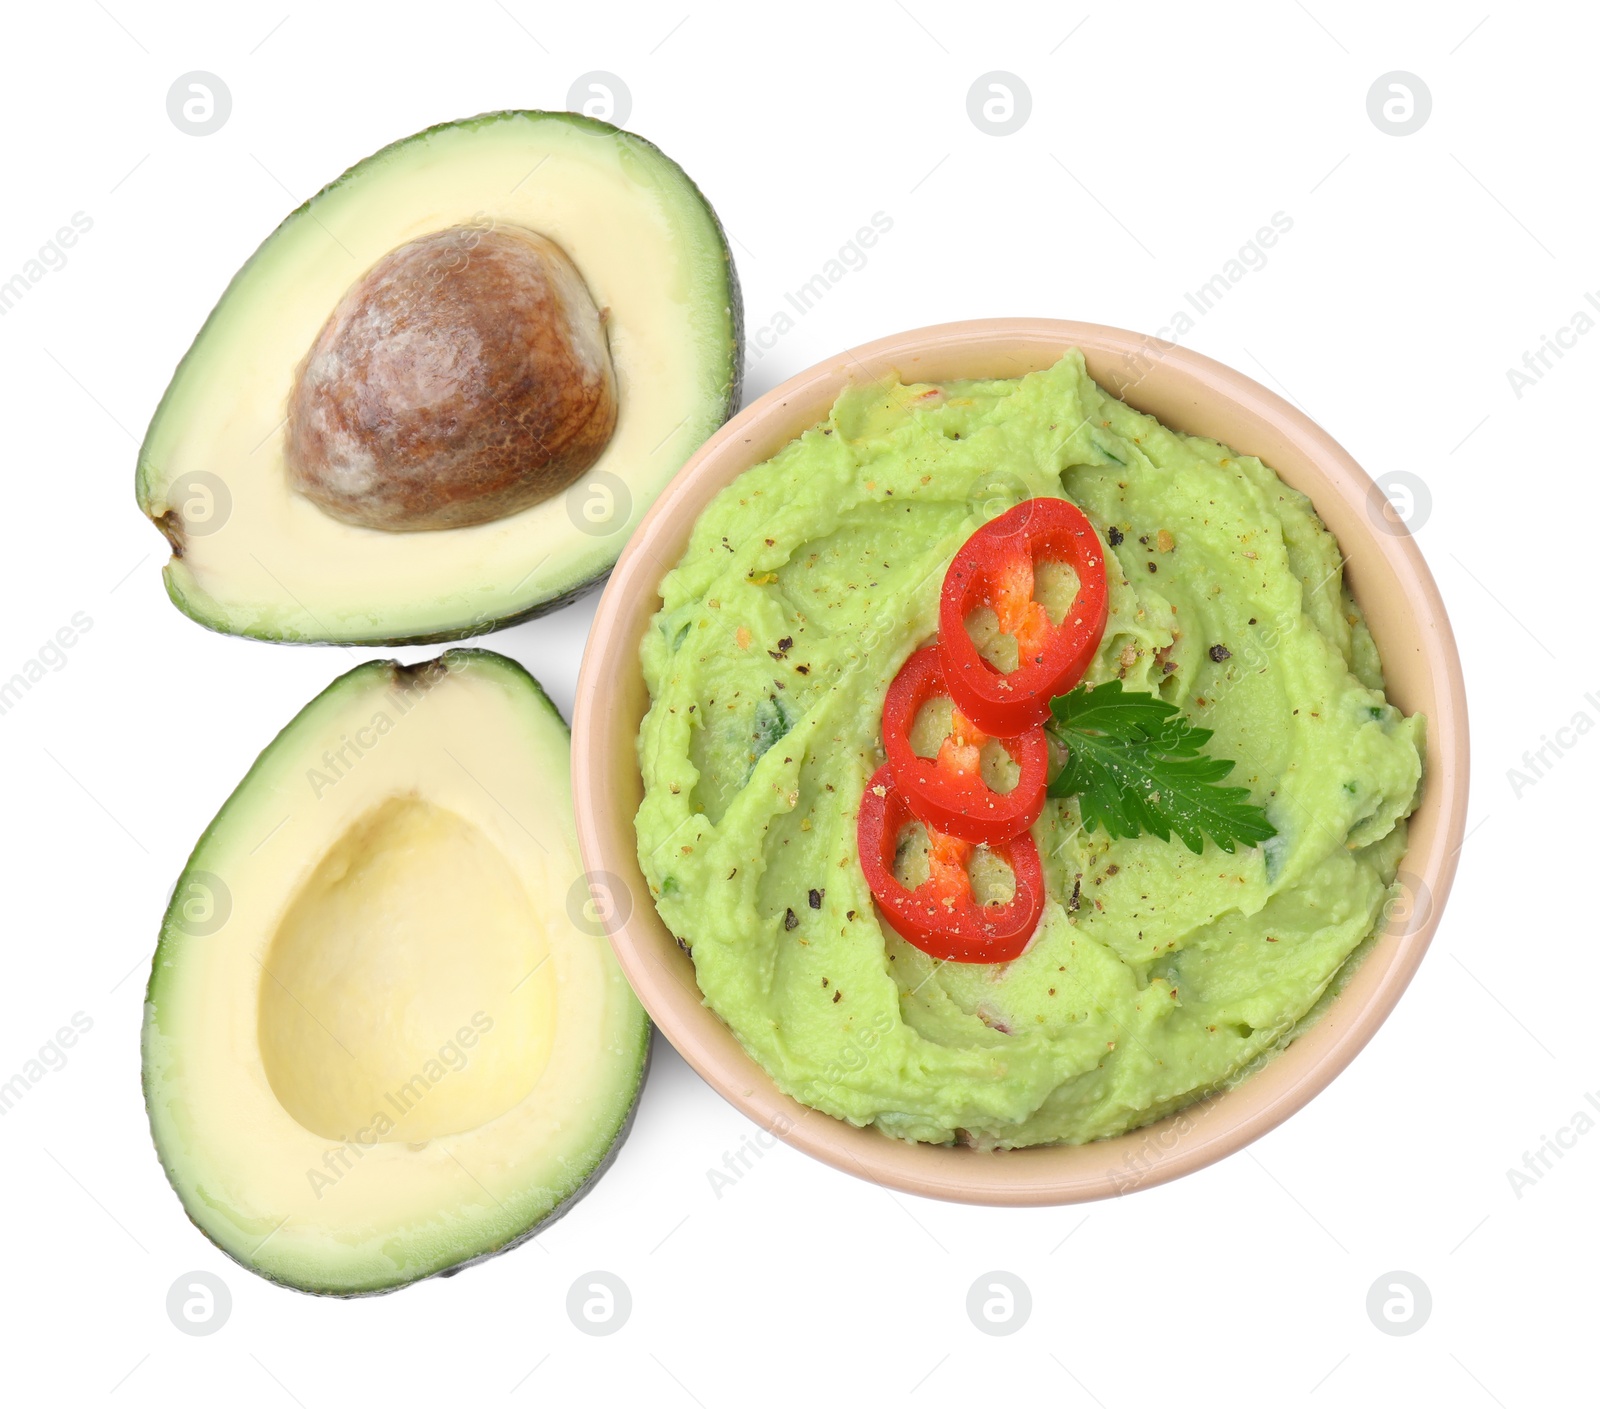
[1188,392]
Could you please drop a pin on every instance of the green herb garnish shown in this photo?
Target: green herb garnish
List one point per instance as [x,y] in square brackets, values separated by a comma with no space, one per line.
[1135,766]
[773,720]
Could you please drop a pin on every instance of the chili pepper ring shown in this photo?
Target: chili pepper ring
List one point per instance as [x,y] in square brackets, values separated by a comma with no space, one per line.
[948,791]
[941,916]
[996,567]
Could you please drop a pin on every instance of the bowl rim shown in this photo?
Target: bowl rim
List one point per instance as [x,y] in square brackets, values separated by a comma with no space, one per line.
[1219,1124]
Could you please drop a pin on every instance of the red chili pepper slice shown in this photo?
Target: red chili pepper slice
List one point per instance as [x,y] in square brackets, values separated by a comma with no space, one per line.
[941,916]
[996,567]
[948,792]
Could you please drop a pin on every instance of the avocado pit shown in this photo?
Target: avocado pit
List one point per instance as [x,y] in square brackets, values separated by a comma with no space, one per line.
[464,377]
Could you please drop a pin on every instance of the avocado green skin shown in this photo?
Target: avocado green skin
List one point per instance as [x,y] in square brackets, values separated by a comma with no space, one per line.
[437,638]
[169,924]
[564,597]
[557,1213]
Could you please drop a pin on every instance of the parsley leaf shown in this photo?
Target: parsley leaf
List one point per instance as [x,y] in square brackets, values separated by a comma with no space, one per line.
[1135,766]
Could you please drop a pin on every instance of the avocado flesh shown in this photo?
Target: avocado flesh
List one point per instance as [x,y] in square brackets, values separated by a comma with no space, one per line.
[377,1045]
[269,563]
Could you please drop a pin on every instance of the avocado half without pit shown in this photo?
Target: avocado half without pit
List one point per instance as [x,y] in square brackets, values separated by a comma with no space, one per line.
[384,1035]
[443,392]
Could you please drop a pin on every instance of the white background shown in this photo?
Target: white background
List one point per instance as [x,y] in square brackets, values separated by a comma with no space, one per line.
[1418,270]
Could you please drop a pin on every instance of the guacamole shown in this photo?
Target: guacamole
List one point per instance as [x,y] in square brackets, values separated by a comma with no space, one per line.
[1156,975]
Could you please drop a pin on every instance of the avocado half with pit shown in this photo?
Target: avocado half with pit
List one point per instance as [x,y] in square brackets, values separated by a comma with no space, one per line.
[385,1034]
[441,395]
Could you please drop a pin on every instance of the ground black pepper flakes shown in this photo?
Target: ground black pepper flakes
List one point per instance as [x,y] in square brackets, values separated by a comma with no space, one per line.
[1076,897]
[815,897]
[790,919]
[1114,536]
[1220,653]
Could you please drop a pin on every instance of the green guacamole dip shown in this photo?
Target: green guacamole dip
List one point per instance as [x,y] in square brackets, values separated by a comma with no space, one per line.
[1156,975]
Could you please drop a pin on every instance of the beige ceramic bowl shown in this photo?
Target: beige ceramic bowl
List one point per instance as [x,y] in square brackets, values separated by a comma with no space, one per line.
[1190,393]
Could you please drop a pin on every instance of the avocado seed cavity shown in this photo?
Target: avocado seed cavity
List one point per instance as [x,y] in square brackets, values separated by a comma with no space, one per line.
[464,377]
